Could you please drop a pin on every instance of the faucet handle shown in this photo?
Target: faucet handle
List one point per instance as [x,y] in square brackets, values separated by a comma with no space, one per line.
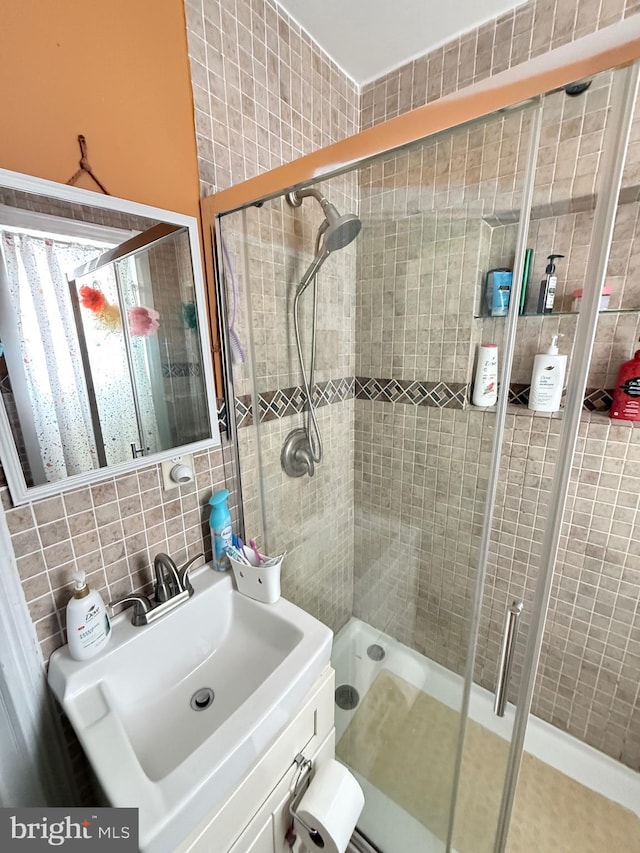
[141,606]
[183,574]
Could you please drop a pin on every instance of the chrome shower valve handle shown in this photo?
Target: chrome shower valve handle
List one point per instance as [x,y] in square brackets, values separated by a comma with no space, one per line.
[296,457]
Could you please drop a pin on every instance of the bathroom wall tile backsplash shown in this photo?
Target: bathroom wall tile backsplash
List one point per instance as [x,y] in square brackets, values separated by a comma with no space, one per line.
[111,530]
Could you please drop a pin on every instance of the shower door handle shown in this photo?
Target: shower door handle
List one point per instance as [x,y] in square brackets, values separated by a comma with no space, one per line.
[506,656]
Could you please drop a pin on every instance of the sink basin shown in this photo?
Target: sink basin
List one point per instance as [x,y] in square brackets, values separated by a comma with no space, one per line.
[173,715]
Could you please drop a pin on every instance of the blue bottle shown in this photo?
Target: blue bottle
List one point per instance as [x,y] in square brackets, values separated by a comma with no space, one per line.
[498,292]
[220,523]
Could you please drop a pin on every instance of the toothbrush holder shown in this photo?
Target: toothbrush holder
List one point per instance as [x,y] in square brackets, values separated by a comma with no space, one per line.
[257,581]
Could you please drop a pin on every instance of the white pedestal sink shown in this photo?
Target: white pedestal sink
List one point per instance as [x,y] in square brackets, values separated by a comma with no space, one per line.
[134,711]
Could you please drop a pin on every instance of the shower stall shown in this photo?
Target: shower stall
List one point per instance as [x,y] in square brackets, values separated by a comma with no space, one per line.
[479,567]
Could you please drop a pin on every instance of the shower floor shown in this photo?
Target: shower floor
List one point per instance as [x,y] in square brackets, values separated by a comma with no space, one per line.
[400,742]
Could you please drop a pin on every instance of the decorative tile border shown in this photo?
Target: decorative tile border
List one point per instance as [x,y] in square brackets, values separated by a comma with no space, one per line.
[244,411]
[598,399]
[595,399]
[290,401]
[449,395]
[221,412]
[443,395]
[181,368]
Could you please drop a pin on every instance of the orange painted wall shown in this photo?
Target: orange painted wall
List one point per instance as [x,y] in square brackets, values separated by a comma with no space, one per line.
[116,71]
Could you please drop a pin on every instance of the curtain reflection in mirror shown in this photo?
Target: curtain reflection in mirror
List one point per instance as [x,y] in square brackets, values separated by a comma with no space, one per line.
[37,289]
[42,351]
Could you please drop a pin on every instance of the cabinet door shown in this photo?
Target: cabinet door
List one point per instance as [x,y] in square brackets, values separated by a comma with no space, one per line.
[274,825]
[261,843]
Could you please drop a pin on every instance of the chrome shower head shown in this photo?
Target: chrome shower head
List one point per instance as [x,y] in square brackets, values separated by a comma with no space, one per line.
[343,231]
[336,231]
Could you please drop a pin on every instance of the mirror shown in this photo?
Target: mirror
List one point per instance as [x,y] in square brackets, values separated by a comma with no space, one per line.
[105,359]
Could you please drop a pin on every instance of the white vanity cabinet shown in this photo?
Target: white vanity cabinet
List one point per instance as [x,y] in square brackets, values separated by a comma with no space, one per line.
[255,817]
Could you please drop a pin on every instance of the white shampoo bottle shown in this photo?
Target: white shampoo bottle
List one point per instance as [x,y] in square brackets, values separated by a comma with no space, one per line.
[88,626]
[485,385]
[547,379]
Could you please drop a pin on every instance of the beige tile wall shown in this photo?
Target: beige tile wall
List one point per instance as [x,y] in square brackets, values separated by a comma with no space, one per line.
[312,520]
[528,30]
[421,477]
[265,94]
[270,248]
[587,680]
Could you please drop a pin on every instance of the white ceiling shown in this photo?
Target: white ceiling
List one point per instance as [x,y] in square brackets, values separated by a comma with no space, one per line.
[368,38]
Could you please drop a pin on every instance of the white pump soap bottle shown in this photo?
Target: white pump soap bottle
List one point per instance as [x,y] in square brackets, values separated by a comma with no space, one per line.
[88,626]
[547,379]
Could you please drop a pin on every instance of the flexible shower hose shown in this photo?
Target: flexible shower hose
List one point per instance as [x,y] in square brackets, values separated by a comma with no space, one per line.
[315,442]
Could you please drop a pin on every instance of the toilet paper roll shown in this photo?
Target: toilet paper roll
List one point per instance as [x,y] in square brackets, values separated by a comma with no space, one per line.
[331,805]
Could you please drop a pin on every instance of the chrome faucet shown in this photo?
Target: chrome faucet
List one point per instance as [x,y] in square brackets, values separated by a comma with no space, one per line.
[172,587]
[167,582]
[170,580]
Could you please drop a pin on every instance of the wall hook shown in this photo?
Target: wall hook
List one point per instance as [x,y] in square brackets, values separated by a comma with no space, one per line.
[85,166]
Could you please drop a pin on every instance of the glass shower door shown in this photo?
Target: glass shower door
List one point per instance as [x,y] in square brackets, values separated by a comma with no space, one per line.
[407,539]
[437,220]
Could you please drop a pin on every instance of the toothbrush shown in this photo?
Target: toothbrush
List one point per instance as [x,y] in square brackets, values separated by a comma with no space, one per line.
[259,557]
[237,554]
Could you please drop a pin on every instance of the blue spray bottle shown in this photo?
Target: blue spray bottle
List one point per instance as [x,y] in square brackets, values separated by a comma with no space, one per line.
[221,532]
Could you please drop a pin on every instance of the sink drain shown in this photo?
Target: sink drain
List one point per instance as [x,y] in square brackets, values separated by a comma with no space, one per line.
[202,698]
[347,697]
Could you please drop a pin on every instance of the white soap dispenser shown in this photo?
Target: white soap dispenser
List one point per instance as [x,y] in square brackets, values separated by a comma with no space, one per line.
[88,626]
[547,379]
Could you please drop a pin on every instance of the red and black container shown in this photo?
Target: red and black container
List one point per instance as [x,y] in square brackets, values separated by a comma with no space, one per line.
[626,397]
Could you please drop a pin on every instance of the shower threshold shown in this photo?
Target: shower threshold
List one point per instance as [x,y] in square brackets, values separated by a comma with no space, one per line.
[402,692]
